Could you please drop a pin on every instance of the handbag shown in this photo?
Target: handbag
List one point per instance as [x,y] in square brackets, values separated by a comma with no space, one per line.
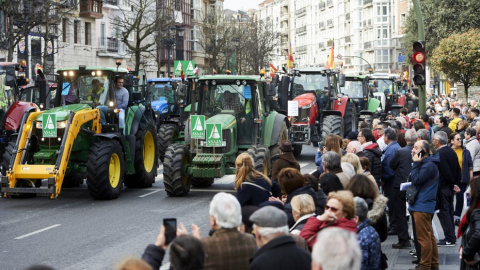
[412,194]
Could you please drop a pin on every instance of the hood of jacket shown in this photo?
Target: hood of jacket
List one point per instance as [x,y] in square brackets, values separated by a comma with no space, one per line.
[374,149]
[288,157]
[378,208]
[435,159]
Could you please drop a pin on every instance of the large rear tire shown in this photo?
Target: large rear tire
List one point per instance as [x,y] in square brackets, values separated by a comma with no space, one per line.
[6,157]
[275,149]
[297,149]
[175,178]
[261,159]
[105,169]
[349,118]
[166,134]
[332,125]
[146,160]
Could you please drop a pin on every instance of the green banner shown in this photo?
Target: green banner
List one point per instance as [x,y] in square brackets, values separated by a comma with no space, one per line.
[49,125]
[187,66]
[197,126]
[214,135]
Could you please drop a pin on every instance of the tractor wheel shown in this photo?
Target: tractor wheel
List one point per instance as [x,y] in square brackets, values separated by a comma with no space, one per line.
[73,180]
[175,178]
[275,149]
[332,124]
[349,118]
[297,150]
[24,183]
[6,157]
[166,134]
[105,169]
[146,160]
[261,159]
[202,182]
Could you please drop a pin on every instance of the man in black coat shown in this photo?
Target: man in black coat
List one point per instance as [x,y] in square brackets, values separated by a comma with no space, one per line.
[401,163]
[277,250]
[450,172]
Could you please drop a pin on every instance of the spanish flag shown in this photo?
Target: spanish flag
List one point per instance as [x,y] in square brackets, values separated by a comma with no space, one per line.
[272,70]
[214,71]
[290,56]
[331,59]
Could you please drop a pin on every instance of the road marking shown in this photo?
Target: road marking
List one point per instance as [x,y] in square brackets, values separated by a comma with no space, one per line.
[303,164]
[312,172]
[35,232]
[150,193]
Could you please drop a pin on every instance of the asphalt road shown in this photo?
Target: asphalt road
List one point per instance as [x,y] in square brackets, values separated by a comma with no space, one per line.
[77,232]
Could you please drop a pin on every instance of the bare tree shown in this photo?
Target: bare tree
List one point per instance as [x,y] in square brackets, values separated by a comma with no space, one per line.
[146,25]
[261,43]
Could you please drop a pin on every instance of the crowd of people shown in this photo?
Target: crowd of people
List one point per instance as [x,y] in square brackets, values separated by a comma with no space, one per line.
[365,187]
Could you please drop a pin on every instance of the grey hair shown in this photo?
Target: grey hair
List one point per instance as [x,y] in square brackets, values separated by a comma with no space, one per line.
[267,232]
[331,160]
[441,137]
[426,147]
[423,134]
[356,145]
[391,134]
[471,131]
[361,208]
[411,135]
[345,255]
[226,210]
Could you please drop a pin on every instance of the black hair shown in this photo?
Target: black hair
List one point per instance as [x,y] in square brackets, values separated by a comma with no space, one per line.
[367,133]
[329,182]
[187,253]
[443,120]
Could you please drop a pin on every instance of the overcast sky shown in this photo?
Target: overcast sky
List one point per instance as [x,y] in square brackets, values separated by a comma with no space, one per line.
[241,4]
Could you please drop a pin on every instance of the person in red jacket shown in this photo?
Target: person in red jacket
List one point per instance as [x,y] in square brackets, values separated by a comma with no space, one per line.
[339,212]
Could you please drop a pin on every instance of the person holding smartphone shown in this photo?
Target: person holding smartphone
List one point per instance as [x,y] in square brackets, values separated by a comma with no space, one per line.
[425,176]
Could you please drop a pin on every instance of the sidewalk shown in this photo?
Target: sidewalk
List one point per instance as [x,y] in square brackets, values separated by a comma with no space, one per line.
[400,259]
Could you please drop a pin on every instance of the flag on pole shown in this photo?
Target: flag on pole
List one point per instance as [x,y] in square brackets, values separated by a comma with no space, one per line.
[126,66]
[182,75]
[214,71]
[331,59]
[290,56]
[196,71]
[272,70]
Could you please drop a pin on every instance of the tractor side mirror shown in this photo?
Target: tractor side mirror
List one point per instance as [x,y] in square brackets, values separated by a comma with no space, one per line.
[181,90]
[10,78]
[341,80]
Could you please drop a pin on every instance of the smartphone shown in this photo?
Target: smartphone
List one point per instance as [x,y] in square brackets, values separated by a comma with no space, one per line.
[170,225]
[422,153]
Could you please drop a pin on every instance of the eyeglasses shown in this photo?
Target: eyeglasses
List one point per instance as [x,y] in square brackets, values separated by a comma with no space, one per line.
[332,209]
[457,139]
[359,136]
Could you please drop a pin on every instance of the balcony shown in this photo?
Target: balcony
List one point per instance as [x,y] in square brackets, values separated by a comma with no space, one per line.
[301,30]
[301,11]
[321,6]
[347,16]
[321,25]
[367,45]
[367,2]
[330,23]
[91,9]
[329,3]
[110,2]
[348,39]
[110,47]
[301,49]
[321,46]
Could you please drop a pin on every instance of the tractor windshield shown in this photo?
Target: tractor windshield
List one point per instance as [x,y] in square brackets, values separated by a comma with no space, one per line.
[160,92]
[353,89]
[383,85]
[309,82]
[30,94]
[86,89]
[225,97]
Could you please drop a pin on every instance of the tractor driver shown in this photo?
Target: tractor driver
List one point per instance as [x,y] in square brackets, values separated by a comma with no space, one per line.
[324,99]
[231,102]
[95,92]
[121,103]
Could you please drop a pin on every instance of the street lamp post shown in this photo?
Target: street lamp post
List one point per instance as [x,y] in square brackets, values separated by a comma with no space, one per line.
[170,42]
[353,56]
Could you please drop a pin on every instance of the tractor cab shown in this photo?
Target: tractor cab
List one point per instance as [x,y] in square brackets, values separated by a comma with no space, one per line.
[386,89]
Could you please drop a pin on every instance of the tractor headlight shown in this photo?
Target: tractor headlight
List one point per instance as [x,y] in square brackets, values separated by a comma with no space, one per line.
[111,104]
[165,111]
[307,106]
[41,106]
[62,124]
[38,125]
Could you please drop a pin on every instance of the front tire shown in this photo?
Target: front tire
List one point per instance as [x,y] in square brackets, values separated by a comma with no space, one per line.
[283,136]
[146,160]
[175,178]
[349,118]
[166,134]
[105,169]
[7,155]
[332,125]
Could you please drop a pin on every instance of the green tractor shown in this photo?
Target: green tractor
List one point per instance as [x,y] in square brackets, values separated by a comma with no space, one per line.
[358,90]
[85,139]
[237,118]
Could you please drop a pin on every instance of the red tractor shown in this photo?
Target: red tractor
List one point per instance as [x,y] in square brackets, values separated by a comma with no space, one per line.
[322,109]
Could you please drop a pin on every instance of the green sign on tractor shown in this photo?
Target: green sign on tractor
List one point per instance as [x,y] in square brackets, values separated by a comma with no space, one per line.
[214,135]
[188,67]
[197,126]
[49,125]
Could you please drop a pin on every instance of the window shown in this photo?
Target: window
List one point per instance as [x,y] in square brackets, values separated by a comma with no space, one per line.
[64,30]
[102,35]
[403,19]
[76,38]
[87,33]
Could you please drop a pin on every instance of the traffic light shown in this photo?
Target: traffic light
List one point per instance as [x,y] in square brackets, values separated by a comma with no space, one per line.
[418,60]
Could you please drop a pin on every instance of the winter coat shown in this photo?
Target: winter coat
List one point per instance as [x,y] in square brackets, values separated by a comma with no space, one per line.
[153,255]
[449,168]
[453,124]
[285,160]
[378,217]
[473,146]
[446,130]
[253,195]
[314,225]
[425,176]
[281,253]
[471,241]
[467,166]
[370,246]
[401,163]
[388,174]
[319,202]
[298,226]
[374,155]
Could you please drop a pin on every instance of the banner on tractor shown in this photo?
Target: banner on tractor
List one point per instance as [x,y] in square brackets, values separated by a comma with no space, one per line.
[188,68]
[214,135]
[197,126]
[49,125]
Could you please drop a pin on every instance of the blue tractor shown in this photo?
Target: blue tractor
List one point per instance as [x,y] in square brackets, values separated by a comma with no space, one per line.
[167,105]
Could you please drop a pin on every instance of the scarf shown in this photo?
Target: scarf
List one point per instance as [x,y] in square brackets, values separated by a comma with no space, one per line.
[463,223]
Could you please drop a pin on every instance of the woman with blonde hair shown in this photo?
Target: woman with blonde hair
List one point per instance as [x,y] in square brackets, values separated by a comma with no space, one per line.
[253,188]
[303,207]
[339,212]
[355,161]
